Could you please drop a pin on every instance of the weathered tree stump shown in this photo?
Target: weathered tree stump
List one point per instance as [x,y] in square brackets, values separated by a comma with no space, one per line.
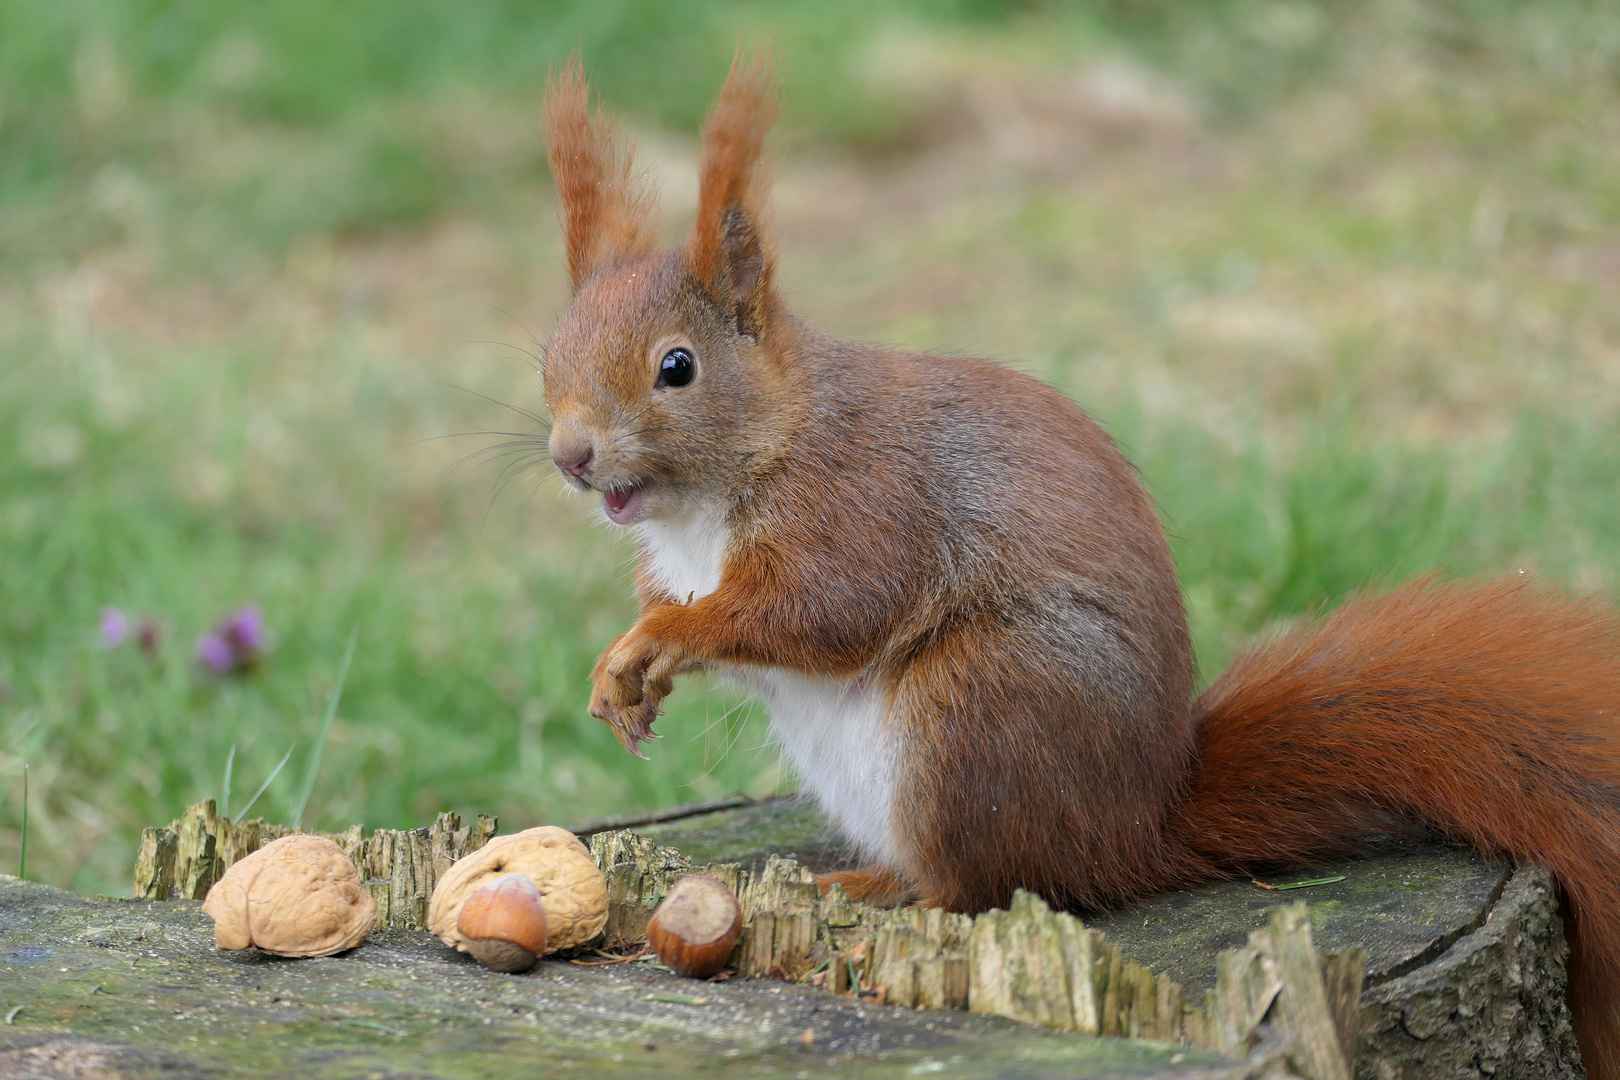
[1464,955]
[1452,972]
[135,988]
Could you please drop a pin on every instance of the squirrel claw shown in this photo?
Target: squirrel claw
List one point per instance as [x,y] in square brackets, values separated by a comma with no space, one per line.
[628,739]
[631,725]
[628,685]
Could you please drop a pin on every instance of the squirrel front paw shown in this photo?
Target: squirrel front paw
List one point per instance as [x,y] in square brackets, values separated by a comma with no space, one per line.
[631,678]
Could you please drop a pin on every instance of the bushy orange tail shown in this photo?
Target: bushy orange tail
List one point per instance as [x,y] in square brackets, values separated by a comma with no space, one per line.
[1490,713]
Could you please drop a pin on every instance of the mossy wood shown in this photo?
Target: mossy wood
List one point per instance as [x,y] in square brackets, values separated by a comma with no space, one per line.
[1028,963]
[135,988]
[1465,955]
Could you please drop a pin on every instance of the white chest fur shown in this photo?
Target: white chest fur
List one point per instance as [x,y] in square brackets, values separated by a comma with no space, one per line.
[832,730]
[683,555]
[834,734]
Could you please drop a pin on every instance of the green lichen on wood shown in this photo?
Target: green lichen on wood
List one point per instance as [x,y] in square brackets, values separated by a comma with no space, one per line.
[145,993]
[1401,901]
[1026,963]
[1466,951]
[1490,1004]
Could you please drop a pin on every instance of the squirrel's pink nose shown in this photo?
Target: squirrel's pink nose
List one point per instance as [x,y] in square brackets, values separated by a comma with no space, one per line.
[577,463]
[572,448]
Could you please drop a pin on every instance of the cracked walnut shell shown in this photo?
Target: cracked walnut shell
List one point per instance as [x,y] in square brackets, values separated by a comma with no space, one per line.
[297,896]
[572,889]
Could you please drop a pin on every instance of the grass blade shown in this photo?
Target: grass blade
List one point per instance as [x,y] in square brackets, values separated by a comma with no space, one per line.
[225,799]
[1300,884]
[22,859]
[332,700]
[1312,882]
[270,780]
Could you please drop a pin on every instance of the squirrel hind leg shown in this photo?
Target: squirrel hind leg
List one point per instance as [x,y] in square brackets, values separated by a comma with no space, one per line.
[877,886]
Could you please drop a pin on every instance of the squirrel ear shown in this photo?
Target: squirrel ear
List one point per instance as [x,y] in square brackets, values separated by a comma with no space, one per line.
[606,211]
[729,250]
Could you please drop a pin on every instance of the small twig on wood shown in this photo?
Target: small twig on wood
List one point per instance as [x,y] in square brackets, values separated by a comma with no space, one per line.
[611,959]
[658,817]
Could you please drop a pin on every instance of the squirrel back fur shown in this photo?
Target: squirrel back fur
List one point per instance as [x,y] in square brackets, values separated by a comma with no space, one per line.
[949,586]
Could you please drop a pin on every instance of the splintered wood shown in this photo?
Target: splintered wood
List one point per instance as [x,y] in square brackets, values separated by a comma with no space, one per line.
[910,956]
[398,866]
[1027,963]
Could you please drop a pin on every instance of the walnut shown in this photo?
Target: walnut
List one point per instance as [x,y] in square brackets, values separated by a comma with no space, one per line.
[297,896]
[571,887]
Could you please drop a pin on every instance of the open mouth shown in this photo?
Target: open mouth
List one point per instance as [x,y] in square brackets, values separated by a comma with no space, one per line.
[622,504]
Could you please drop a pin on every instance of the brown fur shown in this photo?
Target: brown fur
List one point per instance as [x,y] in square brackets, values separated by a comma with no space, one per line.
[965,539]
[733,181]
[606,210]
[875,885]
[1489,712]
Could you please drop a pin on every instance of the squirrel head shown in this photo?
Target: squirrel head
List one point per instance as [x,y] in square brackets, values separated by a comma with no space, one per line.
[665,380]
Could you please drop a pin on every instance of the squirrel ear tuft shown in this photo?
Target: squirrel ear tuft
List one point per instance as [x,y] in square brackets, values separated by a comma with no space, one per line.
[728,249]
[607,211]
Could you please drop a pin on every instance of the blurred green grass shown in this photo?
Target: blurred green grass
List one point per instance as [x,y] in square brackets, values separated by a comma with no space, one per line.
[352,97]
[1340,280]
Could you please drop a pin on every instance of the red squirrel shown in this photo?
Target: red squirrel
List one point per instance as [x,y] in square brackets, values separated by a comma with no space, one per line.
[952,592]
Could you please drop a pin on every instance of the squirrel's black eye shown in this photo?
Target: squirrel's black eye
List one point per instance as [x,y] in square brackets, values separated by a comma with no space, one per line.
[676,368]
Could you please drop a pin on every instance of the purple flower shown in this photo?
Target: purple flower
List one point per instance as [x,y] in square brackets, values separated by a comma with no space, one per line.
[215,651]
[236,643]
[114,628]
[243,630]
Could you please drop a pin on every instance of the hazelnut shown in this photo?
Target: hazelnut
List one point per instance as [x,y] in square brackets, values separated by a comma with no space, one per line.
[696,926]
[297,896]
[503,924]
[572,889]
